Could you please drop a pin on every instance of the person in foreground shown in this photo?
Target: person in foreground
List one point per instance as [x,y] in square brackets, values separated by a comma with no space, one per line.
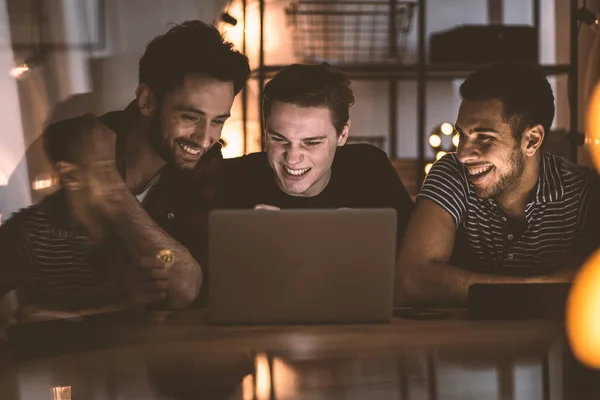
[95,242]
[501,209]
[306,163]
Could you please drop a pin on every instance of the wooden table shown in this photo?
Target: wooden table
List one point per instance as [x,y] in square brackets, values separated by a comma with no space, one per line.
[149,355]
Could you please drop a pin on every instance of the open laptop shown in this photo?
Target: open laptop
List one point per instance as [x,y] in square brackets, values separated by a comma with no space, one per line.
[301,266]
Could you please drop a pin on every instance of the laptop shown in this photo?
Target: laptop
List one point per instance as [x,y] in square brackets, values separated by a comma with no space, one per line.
[301,266]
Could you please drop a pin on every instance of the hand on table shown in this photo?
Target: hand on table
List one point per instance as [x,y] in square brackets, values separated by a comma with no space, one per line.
[147,281]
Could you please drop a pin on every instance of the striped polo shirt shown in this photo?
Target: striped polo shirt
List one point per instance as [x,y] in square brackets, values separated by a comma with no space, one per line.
[560,219]
[52,262]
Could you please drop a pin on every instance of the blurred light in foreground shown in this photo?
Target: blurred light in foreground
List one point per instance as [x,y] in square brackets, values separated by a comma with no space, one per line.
[428,168]
[435,140]
[583,306]
[592,127]
[19,70]
[282,376]
[440,154]
[583,309]
[447,128]
[61,393]
[456,140]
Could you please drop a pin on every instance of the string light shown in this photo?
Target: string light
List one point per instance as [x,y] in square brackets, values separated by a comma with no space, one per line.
[447,128]
[456,140]
[428,168]
[435,140]
[440,154]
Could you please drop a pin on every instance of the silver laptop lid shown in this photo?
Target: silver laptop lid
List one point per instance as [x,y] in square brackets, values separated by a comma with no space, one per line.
[299,266]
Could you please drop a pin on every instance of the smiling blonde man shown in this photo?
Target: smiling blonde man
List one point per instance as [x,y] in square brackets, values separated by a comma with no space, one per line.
[499,210]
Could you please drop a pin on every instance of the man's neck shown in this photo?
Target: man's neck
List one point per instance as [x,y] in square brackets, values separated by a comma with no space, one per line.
[514,200]
[142,163]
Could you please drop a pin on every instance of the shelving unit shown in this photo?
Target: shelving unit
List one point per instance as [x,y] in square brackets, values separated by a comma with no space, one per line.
[422,72]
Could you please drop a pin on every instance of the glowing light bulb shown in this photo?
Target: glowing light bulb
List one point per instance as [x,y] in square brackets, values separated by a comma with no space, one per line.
[447,128]
[19,70]
[435,140]
[583,308]
[440,154]
[456,140]
[428,168]
[592,126]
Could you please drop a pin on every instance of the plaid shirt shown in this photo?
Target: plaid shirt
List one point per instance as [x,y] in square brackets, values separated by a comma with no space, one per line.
[51,261]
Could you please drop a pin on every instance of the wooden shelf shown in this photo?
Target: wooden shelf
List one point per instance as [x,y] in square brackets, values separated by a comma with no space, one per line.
[409,72]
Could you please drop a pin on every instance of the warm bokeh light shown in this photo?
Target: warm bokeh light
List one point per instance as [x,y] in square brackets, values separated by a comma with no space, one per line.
[282,376]
[435,141]
[583,309]
[455,140]
[276,32]
[61,393]
[440,154]
[233,136]
[447,128]
[428,168]
[592,127]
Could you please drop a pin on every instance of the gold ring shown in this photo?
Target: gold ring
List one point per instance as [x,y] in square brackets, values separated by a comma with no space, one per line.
[167,256]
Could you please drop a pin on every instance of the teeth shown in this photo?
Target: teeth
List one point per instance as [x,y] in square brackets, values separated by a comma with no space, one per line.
[189,149]
[296,172]
[480,170]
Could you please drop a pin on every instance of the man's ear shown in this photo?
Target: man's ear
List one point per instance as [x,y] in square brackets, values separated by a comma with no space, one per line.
[146,100]
[68,175]
[343,137]
[532,139]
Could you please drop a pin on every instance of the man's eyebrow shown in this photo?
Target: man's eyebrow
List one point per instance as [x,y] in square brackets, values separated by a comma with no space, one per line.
[275,133]
[198,111]
[314,138]
[484,129]
[478,129]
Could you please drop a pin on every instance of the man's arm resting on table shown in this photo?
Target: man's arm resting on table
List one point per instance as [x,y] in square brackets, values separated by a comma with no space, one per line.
[423,272]
[145,238]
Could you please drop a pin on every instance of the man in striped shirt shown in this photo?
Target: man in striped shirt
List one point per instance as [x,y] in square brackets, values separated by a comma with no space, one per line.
[126,185]
[499,210]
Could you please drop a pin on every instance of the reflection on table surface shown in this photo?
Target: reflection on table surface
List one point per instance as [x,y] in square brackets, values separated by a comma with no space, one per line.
[179,356]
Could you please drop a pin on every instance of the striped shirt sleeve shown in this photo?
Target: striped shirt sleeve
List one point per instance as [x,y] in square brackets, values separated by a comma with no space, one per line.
[13,255]
[447,186]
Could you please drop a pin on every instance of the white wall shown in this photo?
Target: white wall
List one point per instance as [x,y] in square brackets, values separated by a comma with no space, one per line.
[132,24]
[12,145]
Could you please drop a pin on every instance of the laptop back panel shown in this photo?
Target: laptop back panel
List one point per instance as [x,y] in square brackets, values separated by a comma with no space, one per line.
[301,266]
